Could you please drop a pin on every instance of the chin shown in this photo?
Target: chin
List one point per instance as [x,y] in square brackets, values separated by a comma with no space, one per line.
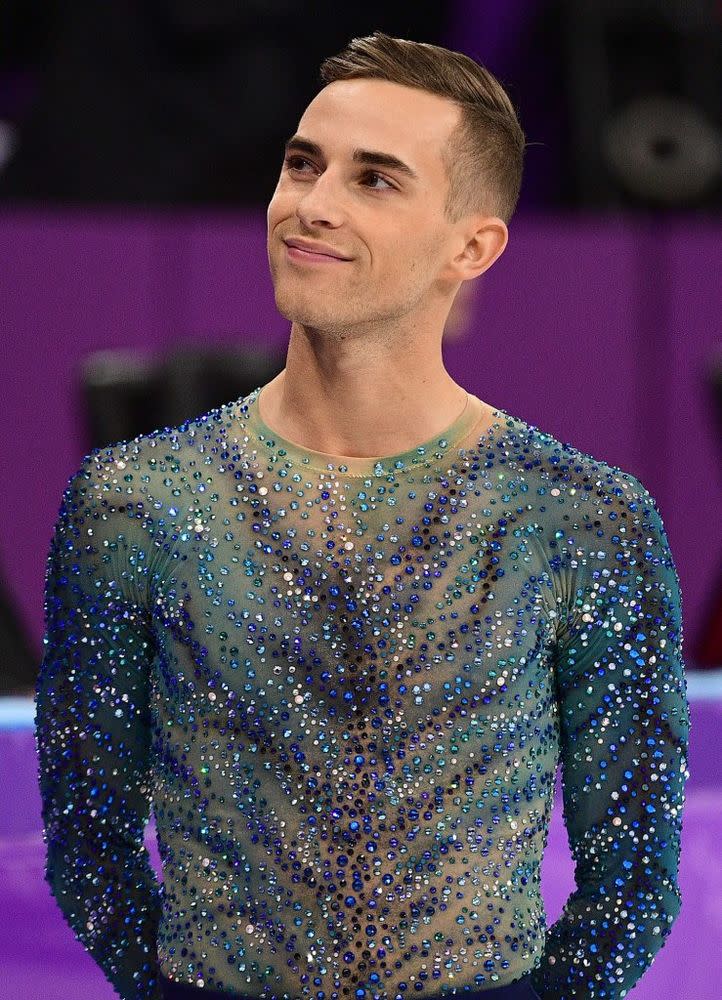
[295,307]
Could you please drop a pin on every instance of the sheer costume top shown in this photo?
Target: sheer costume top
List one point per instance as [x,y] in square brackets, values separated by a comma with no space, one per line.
[343,686]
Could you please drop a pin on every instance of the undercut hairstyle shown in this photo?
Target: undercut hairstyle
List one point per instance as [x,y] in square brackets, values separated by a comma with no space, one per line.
[484,156]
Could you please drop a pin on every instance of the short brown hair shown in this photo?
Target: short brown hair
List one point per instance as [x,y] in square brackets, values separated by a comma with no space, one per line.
[485,153]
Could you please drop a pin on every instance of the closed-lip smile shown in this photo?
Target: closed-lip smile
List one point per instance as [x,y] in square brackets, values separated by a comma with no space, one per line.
[310,247]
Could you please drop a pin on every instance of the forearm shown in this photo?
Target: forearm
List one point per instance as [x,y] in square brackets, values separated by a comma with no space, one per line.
[605,939]
[113,908]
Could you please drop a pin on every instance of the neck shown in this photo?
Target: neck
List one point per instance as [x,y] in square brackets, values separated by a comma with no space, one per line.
[357,415]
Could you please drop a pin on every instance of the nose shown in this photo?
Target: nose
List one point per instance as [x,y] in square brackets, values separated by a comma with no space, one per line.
[319,204]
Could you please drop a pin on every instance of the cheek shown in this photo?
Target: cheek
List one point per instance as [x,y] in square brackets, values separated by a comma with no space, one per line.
[278,208]
[272,212]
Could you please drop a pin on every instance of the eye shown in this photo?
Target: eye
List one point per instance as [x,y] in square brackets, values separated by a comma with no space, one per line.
[291,160]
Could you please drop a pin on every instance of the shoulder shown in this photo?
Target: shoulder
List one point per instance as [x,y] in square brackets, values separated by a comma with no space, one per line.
[150,481]
[590,515]
[562,475]
[600,529]
[155,460]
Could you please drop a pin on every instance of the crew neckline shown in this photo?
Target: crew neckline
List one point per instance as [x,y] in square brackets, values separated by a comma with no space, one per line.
[281,450]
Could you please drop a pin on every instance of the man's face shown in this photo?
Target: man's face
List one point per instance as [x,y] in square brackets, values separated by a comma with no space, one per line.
[390,224]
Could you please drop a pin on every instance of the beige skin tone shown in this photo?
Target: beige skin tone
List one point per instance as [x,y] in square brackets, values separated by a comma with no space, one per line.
[364,371]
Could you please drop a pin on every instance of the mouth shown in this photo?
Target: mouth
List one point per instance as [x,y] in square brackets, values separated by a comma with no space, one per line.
[309,257]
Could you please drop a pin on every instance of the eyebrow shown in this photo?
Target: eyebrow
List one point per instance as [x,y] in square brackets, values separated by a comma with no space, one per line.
[369,157]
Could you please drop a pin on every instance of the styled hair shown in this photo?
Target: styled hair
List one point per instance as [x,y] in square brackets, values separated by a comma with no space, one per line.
[485,152]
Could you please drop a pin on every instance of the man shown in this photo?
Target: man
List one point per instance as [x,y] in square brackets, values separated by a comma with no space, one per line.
[339,633]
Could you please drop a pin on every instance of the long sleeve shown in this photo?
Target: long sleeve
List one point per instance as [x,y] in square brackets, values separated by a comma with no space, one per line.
[624,720]
[92,727]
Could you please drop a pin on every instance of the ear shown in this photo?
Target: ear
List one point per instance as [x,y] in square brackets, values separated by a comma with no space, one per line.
[485,244]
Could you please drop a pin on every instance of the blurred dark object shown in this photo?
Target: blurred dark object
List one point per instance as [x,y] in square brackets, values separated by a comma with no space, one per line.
[194,380]
[708,648]
[121,398]
[172,101]
[645,102]
[19,663]
[125,394]
[26,30]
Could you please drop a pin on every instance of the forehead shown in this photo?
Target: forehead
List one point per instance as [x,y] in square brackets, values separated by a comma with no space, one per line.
[377,114]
